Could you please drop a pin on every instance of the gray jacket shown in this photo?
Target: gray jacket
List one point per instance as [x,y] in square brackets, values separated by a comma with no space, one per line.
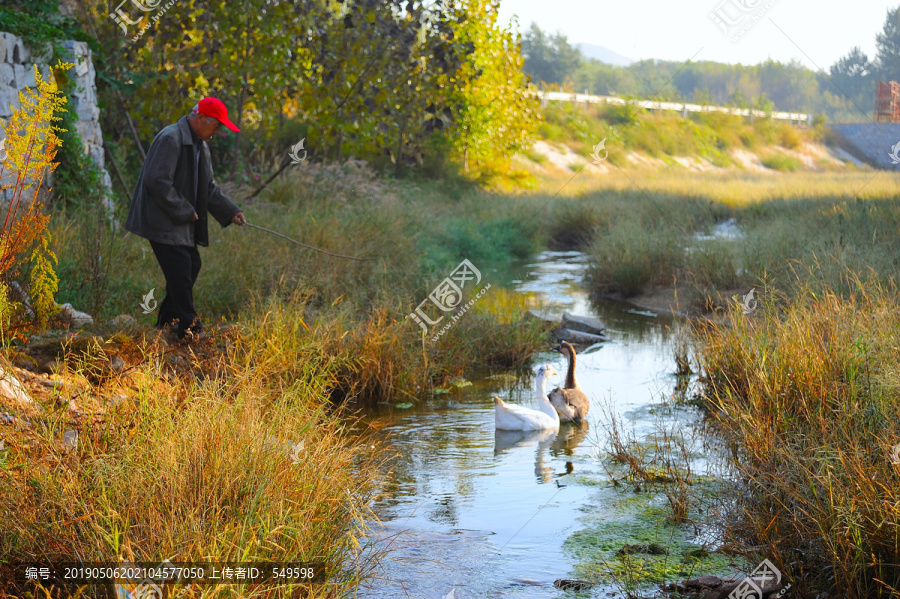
[164,202]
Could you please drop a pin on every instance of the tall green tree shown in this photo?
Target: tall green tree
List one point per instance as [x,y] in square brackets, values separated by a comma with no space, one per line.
[887,44]
[496,115]
[853,76]
[549,58]
[371,79]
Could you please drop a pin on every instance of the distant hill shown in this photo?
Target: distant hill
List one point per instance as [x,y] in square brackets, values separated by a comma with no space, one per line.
[604,55]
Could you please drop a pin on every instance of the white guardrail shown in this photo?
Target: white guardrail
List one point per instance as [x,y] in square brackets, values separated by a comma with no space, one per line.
[791,117]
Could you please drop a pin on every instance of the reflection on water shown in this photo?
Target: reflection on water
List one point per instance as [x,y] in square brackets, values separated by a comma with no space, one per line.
[486,512]
[566,439]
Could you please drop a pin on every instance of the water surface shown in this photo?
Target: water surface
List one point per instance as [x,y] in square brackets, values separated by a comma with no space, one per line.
[483,513]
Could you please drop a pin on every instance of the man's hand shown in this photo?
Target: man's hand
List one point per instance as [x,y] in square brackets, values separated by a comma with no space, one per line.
[195,217]
[238,219]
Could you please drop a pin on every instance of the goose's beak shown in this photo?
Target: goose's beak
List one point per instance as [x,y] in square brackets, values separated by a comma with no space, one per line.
[558,348]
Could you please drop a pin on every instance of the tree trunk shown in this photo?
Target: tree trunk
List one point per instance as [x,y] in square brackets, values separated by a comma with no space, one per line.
[397,164]
[237,134]
[466,153]
[240,105]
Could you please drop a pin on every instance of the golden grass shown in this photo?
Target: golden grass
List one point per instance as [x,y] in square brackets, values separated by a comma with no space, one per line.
[806,395]
[249,462]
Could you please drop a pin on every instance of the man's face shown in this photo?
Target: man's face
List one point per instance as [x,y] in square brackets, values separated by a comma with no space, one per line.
[207,127]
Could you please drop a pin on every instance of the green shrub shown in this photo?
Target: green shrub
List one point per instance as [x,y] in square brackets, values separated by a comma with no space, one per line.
[781,162]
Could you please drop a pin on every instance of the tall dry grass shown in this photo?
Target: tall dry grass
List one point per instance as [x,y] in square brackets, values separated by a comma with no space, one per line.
[233,457]
[806,394]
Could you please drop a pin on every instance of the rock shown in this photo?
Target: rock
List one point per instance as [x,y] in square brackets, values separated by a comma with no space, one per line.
[17,294]
[12,388]
[541,317]
[7,418]
[18,77]
[117,363]
[33,378]
[585,324]
[704,582]
[70,440]
[7,75]
[568,584]
[28,79]
[74,317]
[704,586]
[579,337]
[123,321]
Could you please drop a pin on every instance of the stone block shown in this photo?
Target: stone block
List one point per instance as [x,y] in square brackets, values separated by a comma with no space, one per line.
[19,76]
[586,324]
[28,78]
[84,110]
[18,51]
[85,130]
[9,101]
[24,52]
[9,41]
[7,74]
[579,337]
[96,154]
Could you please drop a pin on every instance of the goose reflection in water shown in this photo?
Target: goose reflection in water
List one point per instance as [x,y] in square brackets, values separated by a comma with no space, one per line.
[558,443]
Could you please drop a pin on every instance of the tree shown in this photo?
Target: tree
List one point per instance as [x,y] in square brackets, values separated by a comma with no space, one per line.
[887,44]
[496,114]
[31,143]
[549,58]
[853,77]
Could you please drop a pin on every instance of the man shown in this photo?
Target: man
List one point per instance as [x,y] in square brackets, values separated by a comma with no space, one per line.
[175,191]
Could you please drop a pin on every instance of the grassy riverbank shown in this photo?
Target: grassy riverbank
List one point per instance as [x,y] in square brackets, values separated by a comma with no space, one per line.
[663,135]
[312,330]
[215,453]
[644,234]
[235,450]
[417,234]
[803,390]
[806,395]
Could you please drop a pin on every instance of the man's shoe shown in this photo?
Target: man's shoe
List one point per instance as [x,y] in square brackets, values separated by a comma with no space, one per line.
[192,337]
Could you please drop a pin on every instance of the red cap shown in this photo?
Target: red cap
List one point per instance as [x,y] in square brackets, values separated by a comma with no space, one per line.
[215,108]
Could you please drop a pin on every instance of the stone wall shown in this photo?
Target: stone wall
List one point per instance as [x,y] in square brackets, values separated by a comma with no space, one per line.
[17,74]
[875,141]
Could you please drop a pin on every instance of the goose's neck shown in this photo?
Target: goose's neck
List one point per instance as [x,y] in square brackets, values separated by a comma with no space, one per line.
[570,374]
[542,399]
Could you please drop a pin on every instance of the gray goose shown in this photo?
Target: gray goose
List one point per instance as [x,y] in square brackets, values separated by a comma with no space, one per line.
[570,402]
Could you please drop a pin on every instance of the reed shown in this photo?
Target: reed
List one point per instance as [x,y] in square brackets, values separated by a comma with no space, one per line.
[234,456]
[805,394]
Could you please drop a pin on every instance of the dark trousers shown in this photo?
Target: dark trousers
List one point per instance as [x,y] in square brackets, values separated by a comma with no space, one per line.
[180,266]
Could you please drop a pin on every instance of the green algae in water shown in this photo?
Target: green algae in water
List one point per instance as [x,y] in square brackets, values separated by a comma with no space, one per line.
[641,520]
[460,382]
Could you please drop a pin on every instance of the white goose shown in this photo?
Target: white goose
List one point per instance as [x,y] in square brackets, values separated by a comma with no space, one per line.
[510,417]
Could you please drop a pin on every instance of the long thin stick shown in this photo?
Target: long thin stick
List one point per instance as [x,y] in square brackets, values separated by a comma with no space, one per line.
[307,246]
[287,163]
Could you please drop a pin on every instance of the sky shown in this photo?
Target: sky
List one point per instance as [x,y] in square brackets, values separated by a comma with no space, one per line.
[815,32]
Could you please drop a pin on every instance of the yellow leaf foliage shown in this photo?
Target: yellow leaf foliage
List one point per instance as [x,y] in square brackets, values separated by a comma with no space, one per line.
[30,146]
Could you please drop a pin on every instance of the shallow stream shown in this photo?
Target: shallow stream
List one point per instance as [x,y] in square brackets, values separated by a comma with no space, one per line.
[471,512]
